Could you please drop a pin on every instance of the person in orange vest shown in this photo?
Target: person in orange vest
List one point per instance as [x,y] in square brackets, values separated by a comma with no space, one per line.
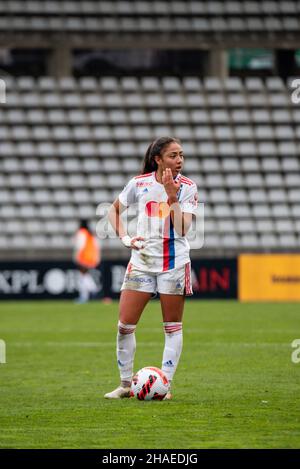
[86,256]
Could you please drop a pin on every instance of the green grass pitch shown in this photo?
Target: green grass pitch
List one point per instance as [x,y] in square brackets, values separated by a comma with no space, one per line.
[235,387]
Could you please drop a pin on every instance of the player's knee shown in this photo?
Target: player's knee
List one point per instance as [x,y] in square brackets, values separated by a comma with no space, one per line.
[125,329]
[172,327]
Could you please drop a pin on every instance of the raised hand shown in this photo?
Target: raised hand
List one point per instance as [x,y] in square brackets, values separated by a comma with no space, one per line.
[171,186]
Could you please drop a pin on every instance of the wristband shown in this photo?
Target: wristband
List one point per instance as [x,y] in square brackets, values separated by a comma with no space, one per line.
[139,244]
[126,240]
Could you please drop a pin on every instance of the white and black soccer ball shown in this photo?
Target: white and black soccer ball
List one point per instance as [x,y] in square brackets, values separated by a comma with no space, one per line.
[149,383]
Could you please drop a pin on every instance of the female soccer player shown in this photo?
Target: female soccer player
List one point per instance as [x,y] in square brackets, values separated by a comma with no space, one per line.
[160,259]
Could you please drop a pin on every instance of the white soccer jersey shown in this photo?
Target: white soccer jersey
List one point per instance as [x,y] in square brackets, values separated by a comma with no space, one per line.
[164,248]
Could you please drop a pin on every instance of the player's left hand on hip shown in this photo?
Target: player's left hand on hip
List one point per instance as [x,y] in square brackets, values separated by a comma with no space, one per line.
[136,243]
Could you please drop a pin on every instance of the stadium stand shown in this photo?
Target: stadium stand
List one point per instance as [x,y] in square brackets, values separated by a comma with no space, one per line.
[60,29]
[135,17]
[69,144]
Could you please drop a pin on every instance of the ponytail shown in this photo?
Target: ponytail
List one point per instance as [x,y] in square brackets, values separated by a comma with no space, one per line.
[155,149]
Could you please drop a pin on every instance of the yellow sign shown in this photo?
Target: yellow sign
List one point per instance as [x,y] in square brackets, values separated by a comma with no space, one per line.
[269,277]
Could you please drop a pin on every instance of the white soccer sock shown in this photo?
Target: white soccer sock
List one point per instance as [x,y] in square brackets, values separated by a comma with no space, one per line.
[83,288]
[126,346]
[173,347]
[90,283]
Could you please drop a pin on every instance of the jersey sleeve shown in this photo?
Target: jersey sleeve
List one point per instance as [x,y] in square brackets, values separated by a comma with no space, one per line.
[189,202]
[128,195]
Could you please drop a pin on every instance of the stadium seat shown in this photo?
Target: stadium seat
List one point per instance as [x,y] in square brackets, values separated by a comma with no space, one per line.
[230,241]
[244,226]
[265,226]
[230,164]
[288,241]
[238,196]
[249,240]
[261,211]
[250,165]
[269,240]
[241,211]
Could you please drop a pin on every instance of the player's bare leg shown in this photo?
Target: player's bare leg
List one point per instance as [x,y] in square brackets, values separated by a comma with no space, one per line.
[172,311]
[132,304]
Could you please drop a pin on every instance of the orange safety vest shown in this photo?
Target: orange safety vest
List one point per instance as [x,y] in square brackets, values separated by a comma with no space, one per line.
[88,255]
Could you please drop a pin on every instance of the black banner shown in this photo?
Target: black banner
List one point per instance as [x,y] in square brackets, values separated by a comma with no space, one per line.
[211,278]
[214,278]
[140,457]
[41,280]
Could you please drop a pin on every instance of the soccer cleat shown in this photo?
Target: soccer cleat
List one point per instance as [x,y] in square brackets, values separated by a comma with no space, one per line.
[118,393]
[167,397]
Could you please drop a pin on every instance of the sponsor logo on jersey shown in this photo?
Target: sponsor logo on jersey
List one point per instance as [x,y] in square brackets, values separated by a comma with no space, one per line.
[132,280]
[144,184]
[157,209]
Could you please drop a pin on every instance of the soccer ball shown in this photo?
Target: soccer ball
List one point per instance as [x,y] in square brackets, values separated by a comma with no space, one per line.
[149,383]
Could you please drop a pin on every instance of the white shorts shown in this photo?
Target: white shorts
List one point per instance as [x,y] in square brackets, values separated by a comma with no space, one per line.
[172,282]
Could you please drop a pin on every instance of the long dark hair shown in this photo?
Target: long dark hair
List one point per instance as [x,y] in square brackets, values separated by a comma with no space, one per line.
[155,149]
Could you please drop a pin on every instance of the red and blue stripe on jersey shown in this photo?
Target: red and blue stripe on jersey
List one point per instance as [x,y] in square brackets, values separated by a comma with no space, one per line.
[169,240]
[168,245]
